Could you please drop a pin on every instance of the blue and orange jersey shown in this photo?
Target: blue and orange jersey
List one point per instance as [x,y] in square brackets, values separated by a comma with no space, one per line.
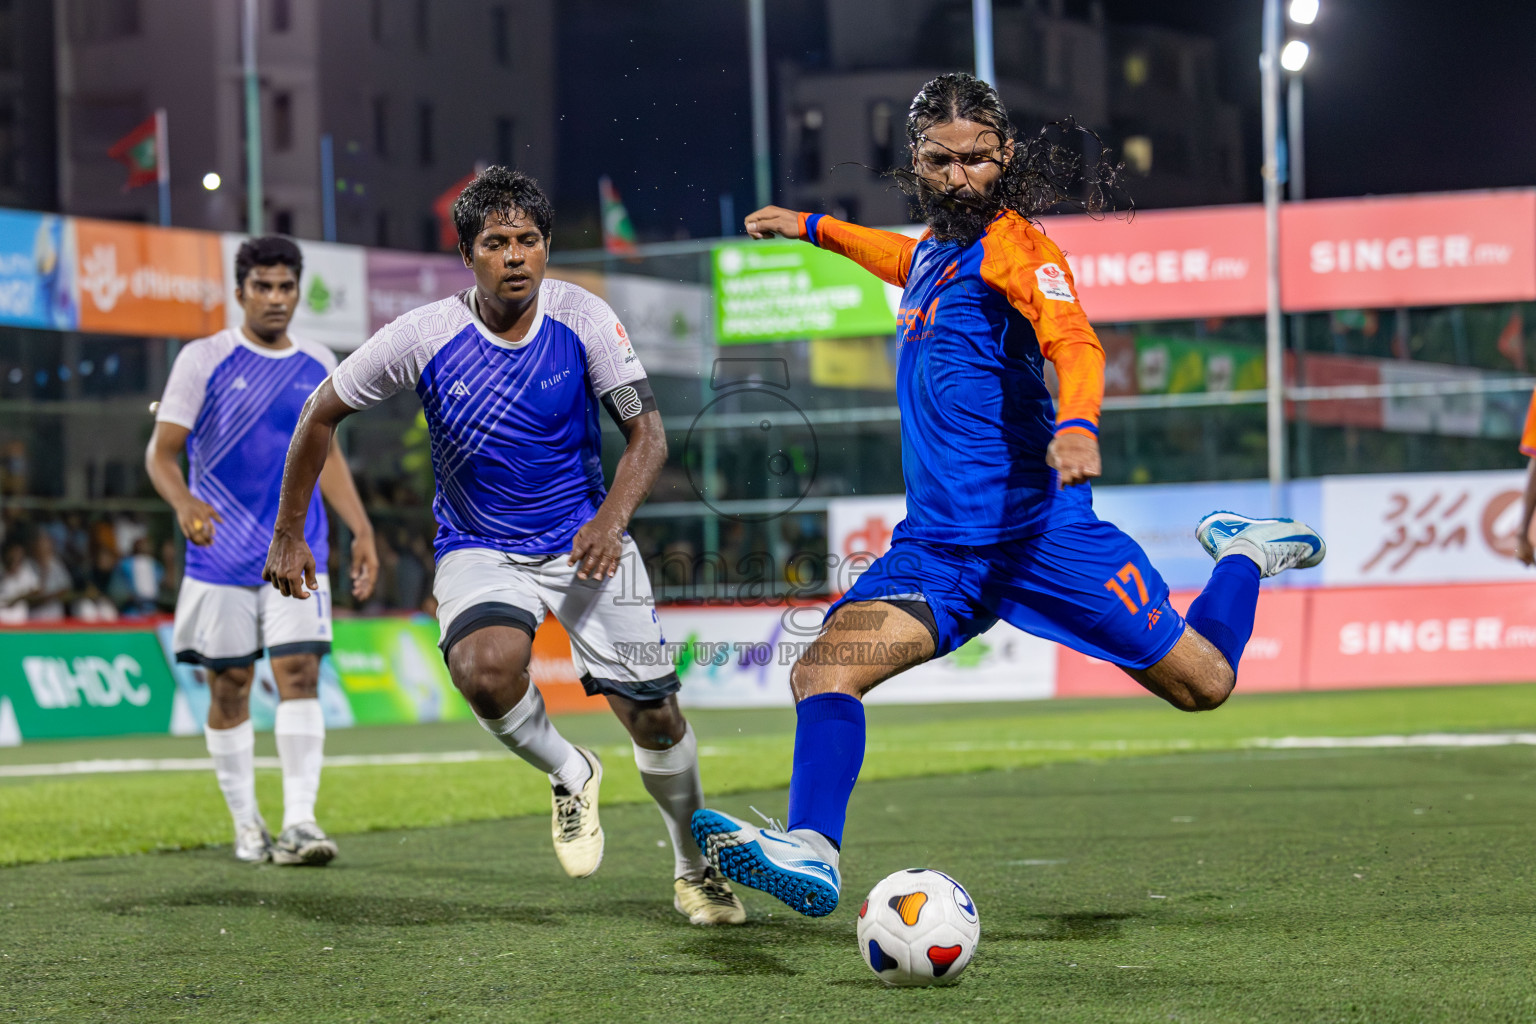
[977,324]
[1528,438]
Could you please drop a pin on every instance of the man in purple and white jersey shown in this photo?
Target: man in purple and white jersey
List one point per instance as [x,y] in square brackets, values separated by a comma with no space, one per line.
[231,403]
[511,374]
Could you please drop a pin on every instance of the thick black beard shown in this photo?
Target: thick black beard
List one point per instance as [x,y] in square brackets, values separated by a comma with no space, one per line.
[957,220]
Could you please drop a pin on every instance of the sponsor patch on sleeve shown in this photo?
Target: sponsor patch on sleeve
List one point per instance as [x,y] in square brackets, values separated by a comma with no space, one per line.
[1052,282]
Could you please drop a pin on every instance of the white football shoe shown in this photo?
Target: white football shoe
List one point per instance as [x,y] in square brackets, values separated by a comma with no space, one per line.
[1275,544]
[253,843]
[304,844]
[707,899]
[577,830]
[800,867]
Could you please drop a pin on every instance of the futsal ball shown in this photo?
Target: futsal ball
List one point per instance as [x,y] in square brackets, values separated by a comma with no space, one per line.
[918,927]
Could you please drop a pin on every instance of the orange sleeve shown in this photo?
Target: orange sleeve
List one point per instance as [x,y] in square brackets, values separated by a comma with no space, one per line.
[1026,267]
[1528,439]
[885,254]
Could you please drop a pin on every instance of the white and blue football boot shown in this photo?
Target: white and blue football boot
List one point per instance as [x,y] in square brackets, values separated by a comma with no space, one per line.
[798,867]
[1275,544]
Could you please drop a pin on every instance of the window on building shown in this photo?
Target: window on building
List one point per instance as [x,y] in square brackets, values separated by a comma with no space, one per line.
[97,21]
[10,145]
[424,133]
[506,139]
[882,136]
[282,122]
[381,126]
[501,38]
[423,24]
[808,157]
[8,35]
[282,15]
[282,222]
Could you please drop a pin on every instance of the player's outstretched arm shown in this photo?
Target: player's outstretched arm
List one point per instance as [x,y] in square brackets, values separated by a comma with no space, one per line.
[599,544]
[162,461]
[290,564]
[886,254]
[340,492]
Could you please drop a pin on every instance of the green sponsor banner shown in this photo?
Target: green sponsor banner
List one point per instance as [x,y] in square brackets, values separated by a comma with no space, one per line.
[391,671]
[67,683]
[784,290]
[1170,366]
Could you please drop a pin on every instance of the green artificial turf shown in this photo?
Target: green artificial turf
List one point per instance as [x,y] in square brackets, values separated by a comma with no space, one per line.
[1370,886]
[109,814]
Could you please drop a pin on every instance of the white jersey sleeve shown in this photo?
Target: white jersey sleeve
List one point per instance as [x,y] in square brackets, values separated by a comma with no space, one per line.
[614,372]
[187,385]
[394,358]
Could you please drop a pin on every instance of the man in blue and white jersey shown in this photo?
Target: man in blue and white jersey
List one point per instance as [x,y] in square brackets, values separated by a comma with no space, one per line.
[231,404]
[511,374]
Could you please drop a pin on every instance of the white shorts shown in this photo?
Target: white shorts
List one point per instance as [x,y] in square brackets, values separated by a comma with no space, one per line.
[221,626]
[616,641]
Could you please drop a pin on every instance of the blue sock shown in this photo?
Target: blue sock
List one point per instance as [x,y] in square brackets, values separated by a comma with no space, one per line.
[829,751]
[1223,613]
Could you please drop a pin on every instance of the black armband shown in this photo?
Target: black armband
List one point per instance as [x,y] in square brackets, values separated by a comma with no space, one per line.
[627,401]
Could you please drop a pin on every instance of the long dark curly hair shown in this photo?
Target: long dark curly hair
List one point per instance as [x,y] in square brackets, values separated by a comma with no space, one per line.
[1064,166]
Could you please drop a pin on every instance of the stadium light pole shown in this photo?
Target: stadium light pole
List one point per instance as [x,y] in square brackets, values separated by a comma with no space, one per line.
[757,30]
[981,27]
[1274,361]
[253,197]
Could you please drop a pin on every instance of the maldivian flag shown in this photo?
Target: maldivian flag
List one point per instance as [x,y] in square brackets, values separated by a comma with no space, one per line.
[618,232]
[140,153]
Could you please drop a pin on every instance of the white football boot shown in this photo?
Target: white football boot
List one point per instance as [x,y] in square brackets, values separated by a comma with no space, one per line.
[800,867]
[304,844]
[707,899]
[1275,544]
[253,843]
[577,830]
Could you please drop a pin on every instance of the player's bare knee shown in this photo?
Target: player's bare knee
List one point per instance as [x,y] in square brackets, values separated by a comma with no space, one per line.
[489,681]
[297,677]
[807,678]
[1207,690]
[657,725]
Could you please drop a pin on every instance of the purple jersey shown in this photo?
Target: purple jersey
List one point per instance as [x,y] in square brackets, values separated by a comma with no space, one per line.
[241,402]
[516,442]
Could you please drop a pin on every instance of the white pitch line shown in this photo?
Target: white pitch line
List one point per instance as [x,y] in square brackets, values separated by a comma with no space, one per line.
[200,764]
[1390,741]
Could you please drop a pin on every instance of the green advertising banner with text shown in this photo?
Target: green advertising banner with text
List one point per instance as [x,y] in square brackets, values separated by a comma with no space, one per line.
[786,290]
[79,683]
[1170,366]
[392,671]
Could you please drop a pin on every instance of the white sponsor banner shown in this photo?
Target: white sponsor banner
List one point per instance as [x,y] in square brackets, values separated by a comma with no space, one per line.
[1422,528]
[741,657]
[333,293]
[669,320]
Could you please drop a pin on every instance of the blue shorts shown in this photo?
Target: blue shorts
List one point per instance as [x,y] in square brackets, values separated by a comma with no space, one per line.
[1086,585]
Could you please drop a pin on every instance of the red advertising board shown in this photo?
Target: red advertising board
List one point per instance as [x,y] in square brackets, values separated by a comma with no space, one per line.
[1420,636]
[1166,264]
[1424,250]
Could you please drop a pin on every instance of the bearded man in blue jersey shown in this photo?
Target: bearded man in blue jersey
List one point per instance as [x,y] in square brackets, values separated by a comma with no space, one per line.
[511,374]
[1000,521]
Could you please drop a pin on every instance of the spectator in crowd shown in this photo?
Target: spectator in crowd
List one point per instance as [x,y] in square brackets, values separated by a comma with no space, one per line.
[139,575]
[53,580]
[18,583]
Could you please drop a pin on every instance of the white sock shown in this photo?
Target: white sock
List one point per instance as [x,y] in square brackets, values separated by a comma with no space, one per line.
[671,776]
[527,731]
[234,762]
[300,731]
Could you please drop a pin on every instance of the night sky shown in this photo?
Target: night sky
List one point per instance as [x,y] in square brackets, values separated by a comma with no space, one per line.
[1402,96]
